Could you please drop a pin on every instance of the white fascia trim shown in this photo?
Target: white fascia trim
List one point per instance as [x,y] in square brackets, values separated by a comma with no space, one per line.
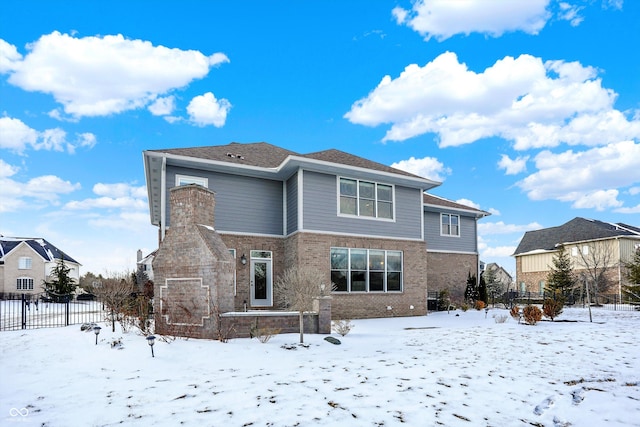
[284,207]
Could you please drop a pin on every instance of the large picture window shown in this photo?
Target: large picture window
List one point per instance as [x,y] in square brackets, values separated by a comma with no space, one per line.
[366,270]
[366,199]
[450,225]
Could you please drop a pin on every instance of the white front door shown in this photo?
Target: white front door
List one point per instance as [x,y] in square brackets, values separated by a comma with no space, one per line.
[261,279]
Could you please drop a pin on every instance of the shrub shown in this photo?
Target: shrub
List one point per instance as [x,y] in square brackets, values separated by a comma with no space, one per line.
[552,308]
[265,334]
[479,305]
[515,312]
[464,306]
[532,314]
[341,327]
[500,318]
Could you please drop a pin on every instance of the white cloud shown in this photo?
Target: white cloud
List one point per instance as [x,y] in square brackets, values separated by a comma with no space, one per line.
[525,100]
[632,210]
[589,178]
[16,136]
[121,196]
[467,202]
[427,167]
[498,251]
[513,167]
[490,228]
[9,57]
[571,13]
[444,18]
[42,190]
[634,191]
[163,106]
[103,75]
[206,110]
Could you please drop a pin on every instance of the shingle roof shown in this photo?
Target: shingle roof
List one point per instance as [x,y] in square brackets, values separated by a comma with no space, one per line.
[265,155]
[430,199]
[42,247]
[260,154]
[576,230]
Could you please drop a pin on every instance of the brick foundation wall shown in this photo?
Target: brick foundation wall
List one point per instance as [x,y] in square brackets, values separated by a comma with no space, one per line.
[450,271]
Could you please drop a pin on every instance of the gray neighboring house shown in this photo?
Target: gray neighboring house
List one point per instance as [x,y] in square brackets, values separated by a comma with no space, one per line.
[372,228]
[26,262]
[589,237]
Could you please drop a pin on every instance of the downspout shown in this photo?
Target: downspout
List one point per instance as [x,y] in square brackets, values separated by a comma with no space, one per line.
[163,197]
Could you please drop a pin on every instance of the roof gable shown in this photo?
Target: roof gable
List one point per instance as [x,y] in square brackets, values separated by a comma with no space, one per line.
[576,230]
[43,248]
[440,202]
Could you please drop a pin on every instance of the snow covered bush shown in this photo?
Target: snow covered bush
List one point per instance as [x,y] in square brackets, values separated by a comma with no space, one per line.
[532,314]
[341,327]
[500,318]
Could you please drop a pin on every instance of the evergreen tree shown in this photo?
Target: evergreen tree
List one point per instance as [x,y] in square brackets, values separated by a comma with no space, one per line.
[561,281]
[61,286]
[471,291]
[482,291]
[633,276]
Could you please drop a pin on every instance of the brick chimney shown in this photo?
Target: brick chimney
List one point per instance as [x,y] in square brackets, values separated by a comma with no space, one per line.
[191,204]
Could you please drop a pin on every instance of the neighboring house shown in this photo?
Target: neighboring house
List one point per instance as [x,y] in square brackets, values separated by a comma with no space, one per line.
[145,264]
[25,263]
[370,227]
[451,234]
[500,276]
[590,243]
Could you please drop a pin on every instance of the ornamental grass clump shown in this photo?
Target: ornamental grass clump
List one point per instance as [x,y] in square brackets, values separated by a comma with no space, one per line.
[532,314]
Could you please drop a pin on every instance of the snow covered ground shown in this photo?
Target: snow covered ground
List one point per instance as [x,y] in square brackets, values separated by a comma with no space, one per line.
[456,369]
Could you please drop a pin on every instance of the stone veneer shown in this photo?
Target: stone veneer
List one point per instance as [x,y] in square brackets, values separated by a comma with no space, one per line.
[193,268]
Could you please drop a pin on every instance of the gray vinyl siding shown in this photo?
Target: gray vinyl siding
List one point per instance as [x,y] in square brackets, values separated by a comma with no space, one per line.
[243,204]
[292,204]
[320,211]
[466,242]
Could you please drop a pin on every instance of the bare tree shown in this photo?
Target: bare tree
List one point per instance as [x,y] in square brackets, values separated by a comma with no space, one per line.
[298,288]
[115,291]
[595,260]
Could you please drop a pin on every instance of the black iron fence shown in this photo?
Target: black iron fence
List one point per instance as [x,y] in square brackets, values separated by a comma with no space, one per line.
[511,298]
[32,311]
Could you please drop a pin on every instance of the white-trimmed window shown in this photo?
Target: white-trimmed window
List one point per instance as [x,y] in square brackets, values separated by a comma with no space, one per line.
[24,284]
[365,198]
[450,225]
[24,263]
[186,180]
[366,270]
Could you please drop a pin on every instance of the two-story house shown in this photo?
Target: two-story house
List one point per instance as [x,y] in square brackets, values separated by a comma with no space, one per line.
[362,223]
[26,262]
[598,246]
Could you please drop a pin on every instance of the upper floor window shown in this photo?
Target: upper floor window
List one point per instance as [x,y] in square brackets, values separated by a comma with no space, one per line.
[24,284]
[24,263]
[450,225]
[367,199]
[186,180]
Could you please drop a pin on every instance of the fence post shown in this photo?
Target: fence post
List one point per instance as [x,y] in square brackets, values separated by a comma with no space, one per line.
[66,312]
[23,312]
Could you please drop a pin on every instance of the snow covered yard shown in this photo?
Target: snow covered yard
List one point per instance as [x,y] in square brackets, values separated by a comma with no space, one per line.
[441,369]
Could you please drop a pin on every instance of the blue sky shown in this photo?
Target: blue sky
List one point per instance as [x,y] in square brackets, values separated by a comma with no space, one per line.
[529,110]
